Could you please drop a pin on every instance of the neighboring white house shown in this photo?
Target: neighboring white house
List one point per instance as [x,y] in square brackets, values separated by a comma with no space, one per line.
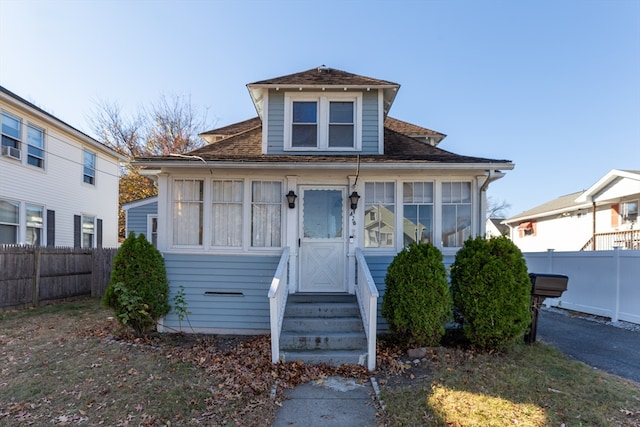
[58,186]
[495,228]
[600,218]
[323,179]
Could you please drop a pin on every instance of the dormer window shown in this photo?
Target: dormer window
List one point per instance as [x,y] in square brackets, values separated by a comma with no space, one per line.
[323,122]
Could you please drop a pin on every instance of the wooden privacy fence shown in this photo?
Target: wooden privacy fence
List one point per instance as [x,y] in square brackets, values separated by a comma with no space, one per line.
[32,275]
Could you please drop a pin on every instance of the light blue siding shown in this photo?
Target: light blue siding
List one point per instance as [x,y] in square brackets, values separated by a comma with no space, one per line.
[275,134]
[137,217]
[222,291]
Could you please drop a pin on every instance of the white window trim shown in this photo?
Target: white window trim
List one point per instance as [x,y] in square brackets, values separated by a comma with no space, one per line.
[207,247]
[44,143]
[95,167]
[94,217]
[323,100]
[150,218]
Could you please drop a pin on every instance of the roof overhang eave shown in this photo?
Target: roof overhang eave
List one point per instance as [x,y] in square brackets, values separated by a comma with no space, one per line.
[156,165]
[519,219]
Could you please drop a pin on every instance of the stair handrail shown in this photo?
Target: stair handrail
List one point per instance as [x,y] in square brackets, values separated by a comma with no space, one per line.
[367,294]
[278,292]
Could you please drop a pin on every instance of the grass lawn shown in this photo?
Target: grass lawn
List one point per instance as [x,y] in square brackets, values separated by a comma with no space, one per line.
[68,364]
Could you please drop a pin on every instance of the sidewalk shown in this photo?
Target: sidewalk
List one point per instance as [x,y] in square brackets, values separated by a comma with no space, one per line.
[334,402]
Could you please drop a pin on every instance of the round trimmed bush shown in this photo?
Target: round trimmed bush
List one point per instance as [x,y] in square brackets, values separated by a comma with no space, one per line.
[417,301]
[492,291]
[138,290]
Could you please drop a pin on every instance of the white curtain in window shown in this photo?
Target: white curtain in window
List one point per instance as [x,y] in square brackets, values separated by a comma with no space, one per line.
[226,213]
[9,222]
[187,211]
[266,211]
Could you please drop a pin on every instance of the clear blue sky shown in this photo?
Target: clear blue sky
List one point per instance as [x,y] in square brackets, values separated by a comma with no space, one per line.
[552,85]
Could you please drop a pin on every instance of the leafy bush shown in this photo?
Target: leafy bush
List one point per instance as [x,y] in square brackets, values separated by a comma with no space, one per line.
[492,291]
[417,301]
[138,290]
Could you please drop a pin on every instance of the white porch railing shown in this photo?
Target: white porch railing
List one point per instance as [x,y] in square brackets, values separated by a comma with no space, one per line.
[367,295]
[278,293]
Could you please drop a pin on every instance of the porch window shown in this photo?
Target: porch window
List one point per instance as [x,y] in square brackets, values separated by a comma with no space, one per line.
[321,122]
[456,213]
[9,222]
[418,212]
[226,213]
[187,211]
[35,150]
[35,221]
[379,225]
[266,213]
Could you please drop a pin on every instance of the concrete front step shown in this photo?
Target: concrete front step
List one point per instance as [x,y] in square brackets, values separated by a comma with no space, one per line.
[332,358]
[322,324]
[323,341]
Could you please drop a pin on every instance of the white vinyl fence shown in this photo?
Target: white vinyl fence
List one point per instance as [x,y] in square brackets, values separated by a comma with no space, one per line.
[603,283]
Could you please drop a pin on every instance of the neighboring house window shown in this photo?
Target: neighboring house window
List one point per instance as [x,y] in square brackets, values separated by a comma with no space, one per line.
[35,150]
[456,213]
[88,231]
[330,121]
[187,211]
[379,215]
[9,222]
[226,213]
[418,212]
[527,228]
[35,221]
[629,213]
[11,134]
[266,213]
[89,169]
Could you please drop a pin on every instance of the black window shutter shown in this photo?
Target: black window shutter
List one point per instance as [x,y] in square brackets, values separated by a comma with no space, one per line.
[51,228]
[99,232]
[77,231]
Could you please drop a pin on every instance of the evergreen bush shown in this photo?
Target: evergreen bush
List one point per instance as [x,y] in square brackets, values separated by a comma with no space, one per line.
[492,291]
[417,300]
[138,290]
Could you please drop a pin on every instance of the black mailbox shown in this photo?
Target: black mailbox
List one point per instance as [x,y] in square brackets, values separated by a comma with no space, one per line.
[548,285]
[543,286]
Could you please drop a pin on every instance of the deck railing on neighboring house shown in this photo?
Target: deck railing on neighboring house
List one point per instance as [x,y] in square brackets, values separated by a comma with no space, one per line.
[628,239]
[278,293]
[367,294]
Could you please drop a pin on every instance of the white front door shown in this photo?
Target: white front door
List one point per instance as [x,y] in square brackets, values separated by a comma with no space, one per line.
[322,239]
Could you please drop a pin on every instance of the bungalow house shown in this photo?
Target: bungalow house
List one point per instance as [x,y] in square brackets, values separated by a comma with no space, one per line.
[58,186]
[282,219]
[600,218]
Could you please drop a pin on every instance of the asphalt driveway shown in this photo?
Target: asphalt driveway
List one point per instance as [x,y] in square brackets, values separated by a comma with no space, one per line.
[593,341]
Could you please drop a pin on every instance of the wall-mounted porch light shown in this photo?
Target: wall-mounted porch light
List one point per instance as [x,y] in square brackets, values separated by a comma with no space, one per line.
[291,199]
[353,198]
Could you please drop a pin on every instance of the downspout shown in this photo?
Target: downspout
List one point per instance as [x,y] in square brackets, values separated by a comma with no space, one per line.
[483,201]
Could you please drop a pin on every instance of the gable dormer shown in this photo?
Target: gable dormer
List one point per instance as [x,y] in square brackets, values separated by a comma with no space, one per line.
[323,111]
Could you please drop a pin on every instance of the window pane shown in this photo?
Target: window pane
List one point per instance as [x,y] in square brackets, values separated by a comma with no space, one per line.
[35,137]
[305,112]
[456,224]
[10,126]
[9,212]
[187,211]
[341,136]
[341,112]
[304,136]
[89,173]
[87,231]
[34,225]
[322,214]
[418,212]
[266,213]
[226,218]
[379,219]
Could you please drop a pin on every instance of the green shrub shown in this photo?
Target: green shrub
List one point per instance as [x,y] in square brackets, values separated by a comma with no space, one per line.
[417,301]
[492,291]
[138,290]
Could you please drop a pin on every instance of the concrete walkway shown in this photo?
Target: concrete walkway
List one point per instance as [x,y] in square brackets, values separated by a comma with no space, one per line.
[334,402]
[612,348]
